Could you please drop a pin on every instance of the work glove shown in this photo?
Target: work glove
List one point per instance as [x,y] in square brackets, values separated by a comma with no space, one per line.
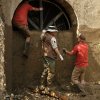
[41,9]
[61,57]
[43,31]
[64,50]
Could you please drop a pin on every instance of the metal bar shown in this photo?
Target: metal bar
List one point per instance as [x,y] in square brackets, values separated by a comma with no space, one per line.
[54,19]
[62,11]
[47,15]
[33,24]
[41,16]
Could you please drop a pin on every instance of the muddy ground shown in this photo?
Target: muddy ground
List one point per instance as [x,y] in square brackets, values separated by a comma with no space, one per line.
[72,93]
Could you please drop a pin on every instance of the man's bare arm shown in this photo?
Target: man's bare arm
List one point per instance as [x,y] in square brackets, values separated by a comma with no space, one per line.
[59,54]
[37,9]
[67,52]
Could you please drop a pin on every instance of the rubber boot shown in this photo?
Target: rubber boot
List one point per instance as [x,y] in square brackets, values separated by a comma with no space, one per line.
[82,89]
[26,49]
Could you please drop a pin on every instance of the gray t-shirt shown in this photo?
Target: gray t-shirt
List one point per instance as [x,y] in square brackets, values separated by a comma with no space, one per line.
[53,41]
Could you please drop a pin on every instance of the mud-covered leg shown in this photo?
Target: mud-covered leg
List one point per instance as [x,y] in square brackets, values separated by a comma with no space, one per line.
[26,47]
[44,74]
[50,77]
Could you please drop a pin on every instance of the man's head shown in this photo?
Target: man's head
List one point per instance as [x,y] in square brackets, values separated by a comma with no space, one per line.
[25,0]
[34,3]
[52,30]
[81,38]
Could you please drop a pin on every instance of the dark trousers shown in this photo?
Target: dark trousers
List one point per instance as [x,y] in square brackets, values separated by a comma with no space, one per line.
[23,29]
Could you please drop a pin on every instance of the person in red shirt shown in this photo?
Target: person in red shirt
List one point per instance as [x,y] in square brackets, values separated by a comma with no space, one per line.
[20,21]
[81,62]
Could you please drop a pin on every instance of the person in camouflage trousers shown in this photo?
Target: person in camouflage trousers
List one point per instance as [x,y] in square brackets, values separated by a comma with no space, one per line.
[49,70]
[50,52]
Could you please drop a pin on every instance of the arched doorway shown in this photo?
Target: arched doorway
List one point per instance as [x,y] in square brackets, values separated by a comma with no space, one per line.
[28,71]
[53,14]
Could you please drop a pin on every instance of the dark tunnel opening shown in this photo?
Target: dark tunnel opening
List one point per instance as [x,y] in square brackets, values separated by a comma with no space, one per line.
[53,14]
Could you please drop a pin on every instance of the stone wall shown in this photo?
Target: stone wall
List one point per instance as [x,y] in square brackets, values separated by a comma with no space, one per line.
[87,11]
[2,49]
[8,9]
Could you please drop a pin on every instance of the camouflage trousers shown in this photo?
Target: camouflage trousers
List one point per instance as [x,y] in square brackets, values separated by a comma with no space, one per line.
[48,72]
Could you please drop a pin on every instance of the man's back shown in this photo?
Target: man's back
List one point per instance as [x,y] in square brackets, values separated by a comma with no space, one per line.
[81,54]
[21,13]
[47,46]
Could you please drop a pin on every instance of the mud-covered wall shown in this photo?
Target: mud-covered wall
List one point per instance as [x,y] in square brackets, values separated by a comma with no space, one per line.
[6,12]
[27,71]
[88,15]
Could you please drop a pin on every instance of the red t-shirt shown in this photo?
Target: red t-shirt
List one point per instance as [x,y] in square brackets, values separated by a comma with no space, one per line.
[21,14]
[81,51]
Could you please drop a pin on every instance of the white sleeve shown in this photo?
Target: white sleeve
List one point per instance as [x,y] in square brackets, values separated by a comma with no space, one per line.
[42,35]
[54,43]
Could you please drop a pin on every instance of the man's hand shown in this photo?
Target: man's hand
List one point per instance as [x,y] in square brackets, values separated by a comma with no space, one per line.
[41,8]
[43,31]
[64,50]
[37,9]
[44,0]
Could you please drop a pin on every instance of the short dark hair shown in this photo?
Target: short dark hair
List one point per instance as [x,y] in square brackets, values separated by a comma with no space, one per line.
[24,0]
[82,37]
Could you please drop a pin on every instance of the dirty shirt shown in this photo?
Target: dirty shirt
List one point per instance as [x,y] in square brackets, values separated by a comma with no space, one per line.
[49,43]
[21,14]
[52,41]
[81,52]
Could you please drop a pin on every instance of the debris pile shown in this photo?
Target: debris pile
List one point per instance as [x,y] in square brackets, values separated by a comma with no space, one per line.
[45,93]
